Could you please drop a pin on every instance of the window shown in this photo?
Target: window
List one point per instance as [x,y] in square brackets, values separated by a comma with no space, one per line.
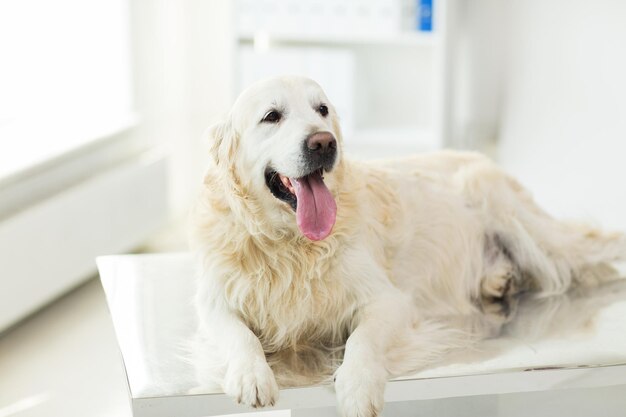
[64,77]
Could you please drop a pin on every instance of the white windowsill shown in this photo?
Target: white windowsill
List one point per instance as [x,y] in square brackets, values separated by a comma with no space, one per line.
[30,146]
[39,159]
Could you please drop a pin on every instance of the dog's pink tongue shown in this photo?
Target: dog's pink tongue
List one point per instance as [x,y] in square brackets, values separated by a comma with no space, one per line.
[316,210]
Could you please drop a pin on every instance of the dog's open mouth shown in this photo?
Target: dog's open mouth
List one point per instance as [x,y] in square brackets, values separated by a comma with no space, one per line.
[309,197]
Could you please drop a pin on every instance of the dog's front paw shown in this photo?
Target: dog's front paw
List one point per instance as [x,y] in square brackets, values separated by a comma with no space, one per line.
[360,389]
[251,383]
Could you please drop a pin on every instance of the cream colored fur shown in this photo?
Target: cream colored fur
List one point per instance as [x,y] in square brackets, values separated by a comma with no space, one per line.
[417,243]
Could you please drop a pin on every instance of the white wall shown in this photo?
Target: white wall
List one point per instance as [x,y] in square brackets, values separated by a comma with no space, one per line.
[479,56]
[563,126]
[183,82]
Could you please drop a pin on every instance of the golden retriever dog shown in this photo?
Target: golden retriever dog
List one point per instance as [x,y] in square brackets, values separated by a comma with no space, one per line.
[303,249]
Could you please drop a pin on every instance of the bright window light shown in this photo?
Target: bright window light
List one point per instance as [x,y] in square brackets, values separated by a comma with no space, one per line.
[64,76]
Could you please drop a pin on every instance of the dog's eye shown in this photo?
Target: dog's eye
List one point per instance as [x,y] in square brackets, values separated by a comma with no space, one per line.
[323,109]
[272,117]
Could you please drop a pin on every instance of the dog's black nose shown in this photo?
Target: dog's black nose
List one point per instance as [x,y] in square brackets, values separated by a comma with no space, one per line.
[319,151]
[322,142]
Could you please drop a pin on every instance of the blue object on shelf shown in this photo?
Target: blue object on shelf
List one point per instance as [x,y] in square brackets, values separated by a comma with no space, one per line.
[425,15]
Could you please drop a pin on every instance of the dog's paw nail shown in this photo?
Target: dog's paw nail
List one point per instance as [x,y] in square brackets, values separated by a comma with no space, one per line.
[360,392]
[253,385]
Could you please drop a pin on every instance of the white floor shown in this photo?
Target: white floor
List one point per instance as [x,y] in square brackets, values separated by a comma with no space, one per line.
[63,361]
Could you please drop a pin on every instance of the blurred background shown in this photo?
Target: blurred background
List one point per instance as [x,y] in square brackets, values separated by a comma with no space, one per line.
[103,105]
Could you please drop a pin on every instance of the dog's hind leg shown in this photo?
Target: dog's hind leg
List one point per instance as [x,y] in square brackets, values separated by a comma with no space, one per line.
[592,252]
[558,254]
[498,296]
[501,282]
[594,246]
[553,253]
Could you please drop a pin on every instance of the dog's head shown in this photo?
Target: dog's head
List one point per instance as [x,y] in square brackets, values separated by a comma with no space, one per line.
[282,142]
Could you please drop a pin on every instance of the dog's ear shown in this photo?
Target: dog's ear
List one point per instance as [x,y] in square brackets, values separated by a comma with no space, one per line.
[215,134]
[337,127]
[222,141]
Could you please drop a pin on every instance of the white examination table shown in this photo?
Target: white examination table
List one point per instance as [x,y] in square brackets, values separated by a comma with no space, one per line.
[563,356]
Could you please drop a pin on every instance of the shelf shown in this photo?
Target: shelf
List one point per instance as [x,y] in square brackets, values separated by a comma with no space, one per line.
[385,39]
